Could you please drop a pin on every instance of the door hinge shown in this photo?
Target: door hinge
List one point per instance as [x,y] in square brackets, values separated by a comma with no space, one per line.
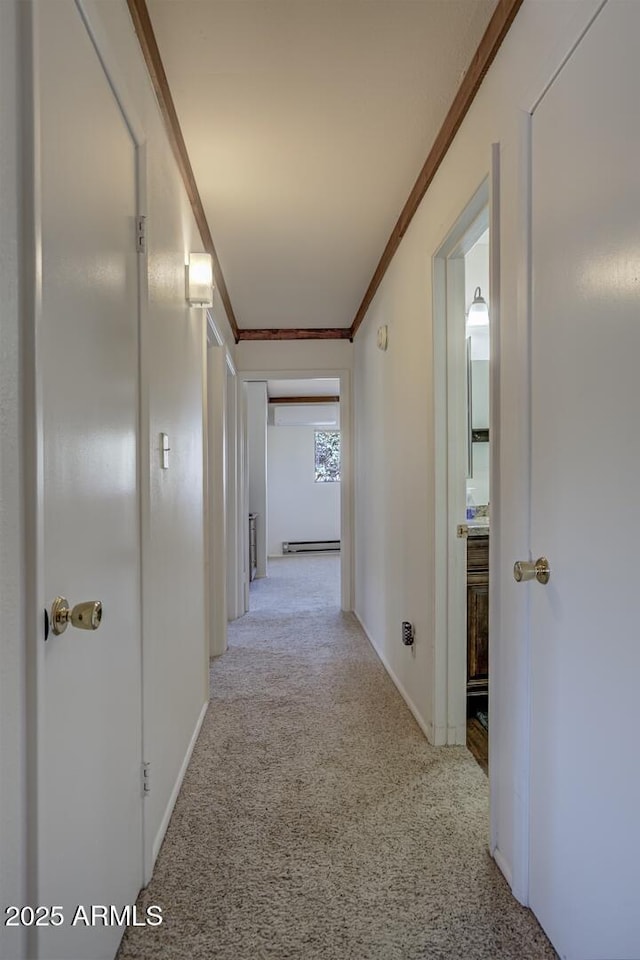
[141,234]
[146,778]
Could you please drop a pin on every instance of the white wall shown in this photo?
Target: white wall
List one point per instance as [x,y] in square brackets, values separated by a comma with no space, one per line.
[256,397]
[298,507]
[293,355]
[13,798]
[394,415]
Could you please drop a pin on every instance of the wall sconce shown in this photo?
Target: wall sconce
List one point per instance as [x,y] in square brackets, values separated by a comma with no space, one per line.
[200,280]
[478,312]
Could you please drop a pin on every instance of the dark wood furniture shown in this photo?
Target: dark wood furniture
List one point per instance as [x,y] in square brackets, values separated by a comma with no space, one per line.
[478,742]
[477,616]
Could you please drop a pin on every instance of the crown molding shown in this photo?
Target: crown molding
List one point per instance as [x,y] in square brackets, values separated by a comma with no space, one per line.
[296,333]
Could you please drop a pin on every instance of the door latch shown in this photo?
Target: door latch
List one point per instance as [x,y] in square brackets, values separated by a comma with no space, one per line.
[524,570]
[84,616]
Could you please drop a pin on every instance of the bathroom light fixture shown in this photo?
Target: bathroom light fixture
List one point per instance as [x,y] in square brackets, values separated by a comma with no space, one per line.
[478,312]
[200,280]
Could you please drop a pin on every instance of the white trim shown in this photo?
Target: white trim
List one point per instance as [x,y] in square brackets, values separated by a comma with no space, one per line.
[164,823]
[430,732]
[15,648]
[495,368]
[234,498]
[503,866]
[110,60]
[243,501]
[522,754]
[144,463]
[559,67]
[231,367]
[33,442]
[213,333]
[216,519]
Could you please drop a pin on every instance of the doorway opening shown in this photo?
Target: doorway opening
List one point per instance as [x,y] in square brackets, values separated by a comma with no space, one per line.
[463,268]
[296,480]
[477,495]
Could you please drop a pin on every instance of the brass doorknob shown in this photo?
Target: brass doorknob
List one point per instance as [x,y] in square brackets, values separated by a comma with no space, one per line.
[526,570]
[84,616]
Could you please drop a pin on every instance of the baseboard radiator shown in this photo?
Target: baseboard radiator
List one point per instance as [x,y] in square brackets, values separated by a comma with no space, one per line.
[311,546]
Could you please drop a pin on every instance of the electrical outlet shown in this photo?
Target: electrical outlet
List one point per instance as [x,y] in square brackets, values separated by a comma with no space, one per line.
[408,633]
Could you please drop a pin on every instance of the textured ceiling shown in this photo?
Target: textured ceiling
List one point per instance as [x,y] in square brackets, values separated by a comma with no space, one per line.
[307,123]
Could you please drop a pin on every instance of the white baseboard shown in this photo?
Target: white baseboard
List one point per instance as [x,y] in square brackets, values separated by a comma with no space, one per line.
[503,866]
[427,728]
[457,736]
[157,843]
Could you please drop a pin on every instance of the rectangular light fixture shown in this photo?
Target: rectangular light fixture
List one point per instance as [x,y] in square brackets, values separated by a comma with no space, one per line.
[200,280]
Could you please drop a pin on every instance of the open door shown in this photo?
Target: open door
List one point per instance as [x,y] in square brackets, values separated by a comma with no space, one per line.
[585,775]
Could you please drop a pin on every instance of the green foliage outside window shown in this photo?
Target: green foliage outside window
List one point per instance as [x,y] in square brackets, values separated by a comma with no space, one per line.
[327,456]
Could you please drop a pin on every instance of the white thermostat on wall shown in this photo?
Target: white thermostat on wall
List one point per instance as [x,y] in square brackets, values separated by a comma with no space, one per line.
[383,337]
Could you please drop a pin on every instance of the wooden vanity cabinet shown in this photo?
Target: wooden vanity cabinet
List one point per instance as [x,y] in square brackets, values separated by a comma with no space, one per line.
[477,615]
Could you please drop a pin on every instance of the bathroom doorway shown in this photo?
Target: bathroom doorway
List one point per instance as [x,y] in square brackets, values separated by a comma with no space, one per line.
[477,495]
[463,268]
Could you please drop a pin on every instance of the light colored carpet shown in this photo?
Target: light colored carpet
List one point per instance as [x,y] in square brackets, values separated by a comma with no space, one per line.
[315,821]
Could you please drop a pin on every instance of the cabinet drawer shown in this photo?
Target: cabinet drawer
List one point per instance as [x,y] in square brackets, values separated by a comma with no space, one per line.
[478,553]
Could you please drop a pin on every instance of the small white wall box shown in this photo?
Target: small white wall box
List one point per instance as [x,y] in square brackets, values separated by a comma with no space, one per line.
[383,337]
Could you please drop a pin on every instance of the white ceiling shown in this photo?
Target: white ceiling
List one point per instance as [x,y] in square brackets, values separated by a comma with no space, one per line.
[303,388]
[307,123]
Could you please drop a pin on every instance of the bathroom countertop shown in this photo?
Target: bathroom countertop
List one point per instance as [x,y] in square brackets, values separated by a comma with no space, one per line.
[478,527]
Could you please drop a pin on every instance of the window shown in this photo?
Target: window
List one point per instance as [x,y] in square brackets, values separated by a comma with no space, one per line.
[327,456]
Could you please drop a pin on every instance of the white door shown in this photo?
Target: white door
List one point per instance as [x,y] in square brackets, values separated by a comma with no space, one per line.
[585,771]
[89,848]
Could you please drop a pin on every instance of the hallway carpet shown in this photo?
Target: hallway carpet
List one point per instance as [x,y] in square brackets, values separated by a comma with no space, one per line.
[315,821]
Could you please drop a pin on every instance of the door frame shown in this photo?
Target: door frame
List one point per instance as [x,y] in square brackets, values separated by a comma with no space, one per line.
[346,471]
[451,438]
[14,173]
[220,494]
[480,212]
[235,589]
[227,409]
